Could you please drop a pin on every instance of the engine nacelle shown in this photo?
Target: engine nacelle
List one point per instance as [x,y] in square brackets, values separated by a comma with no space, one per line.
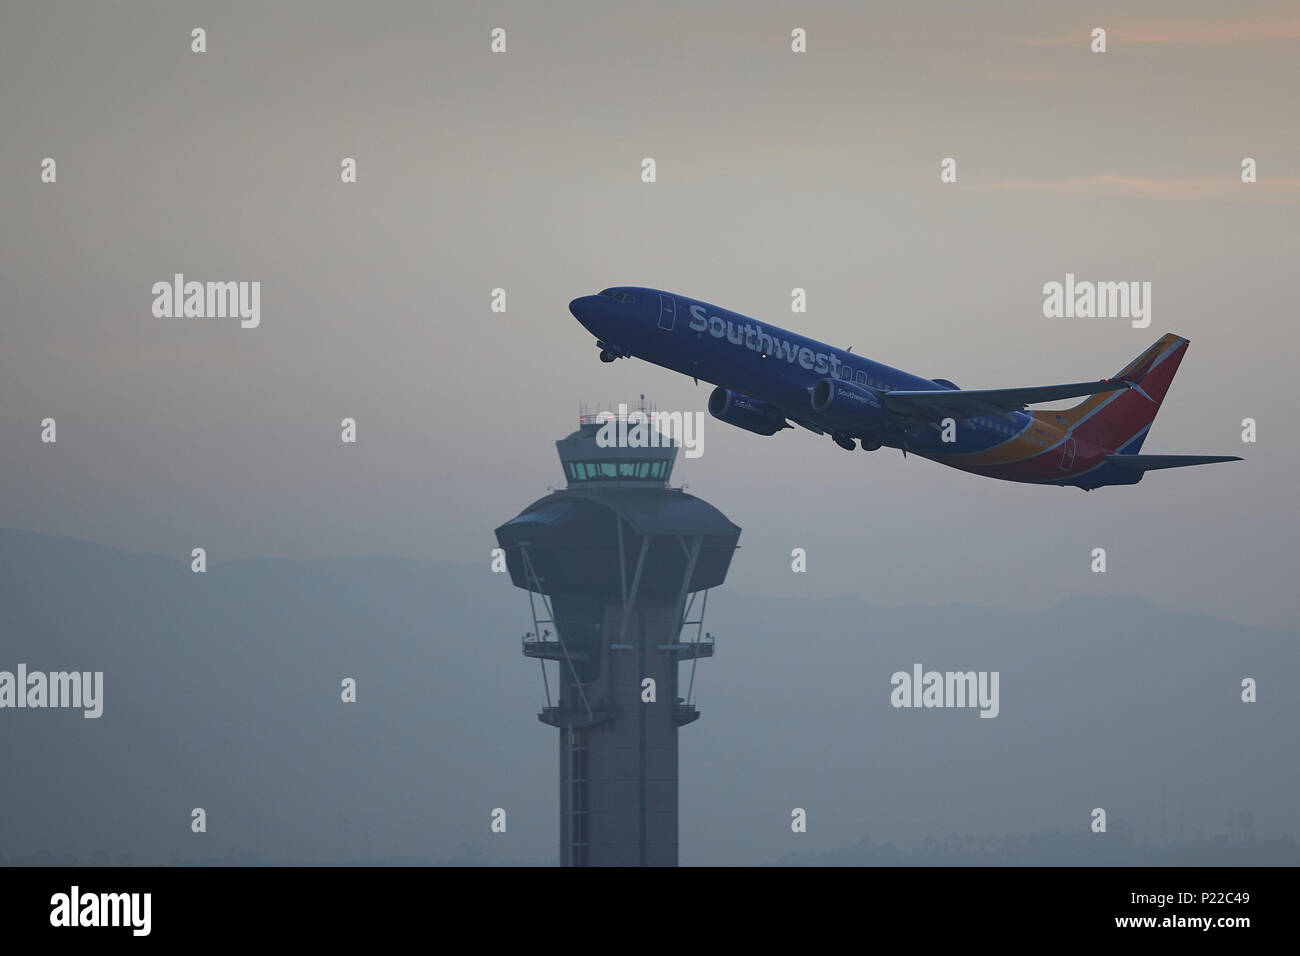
[745,412]
[847,408]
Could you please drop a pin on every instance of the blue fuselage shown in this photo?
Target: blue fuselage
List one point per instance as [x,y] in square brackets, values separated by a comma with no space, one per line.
[768,363]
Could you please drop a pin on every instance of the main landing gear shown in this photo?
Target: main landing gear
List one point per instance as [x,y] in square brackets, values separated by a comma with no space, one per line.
[845,442]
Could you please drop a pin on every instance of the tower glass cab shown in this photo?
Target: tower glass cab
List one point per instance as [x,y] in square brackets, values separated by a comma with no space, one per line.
[612,450]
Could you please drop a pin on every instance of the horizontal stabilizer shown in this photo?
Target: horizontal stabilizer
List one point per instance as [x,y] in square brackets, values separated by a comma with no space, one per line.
[1153,462]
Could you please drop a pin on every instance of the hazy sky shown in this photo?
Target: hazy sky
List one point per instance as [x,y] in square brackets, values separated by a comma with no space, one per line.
[522,171]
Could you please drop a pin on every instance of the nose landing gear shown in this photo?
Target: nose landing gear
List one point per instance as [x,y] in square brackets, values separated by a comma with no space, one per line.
[610,352]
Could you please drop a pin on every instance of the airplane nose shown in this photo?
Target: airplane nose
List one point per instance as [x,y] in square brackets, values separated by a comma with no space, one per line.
[586,309]
[583,306]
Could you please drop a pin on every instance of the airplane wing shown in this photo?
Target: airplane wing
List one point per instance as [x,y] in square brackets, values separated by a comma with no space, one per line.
[938,404]
[815,429]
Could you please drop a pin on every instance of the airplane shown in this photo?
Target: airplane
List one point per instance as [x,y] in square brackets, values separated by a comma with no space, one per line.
[768,377]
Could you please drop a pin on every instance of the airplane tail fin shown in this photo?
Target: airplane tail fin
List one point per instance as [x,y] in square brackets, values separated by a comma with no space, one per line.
[1121,419]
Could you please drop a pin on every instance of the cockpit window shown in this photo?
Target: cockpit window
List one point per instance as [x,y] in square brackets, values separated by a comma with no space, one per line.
[620,296]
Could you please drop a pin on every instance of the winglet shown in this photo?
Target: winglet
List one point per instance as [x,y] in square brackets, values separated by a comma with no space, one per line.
[1134,383]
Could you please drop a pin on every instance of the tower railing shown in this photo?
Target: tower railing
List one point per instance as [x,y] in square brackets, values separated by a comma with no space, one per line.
[534,585]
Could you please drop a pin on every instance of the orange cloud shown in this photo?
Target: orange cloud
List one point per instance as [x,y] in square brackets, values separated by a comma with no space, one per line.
[1221,187]
[1204,32]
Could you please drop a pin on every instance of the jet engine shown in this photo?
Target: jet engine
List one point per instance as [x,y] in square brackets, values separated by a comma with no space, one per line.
[847,409]
[745,412]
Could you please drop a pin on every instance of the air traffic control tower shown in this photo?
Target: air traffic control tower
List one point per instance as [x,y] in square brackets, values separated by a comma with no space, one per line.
[617,567]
